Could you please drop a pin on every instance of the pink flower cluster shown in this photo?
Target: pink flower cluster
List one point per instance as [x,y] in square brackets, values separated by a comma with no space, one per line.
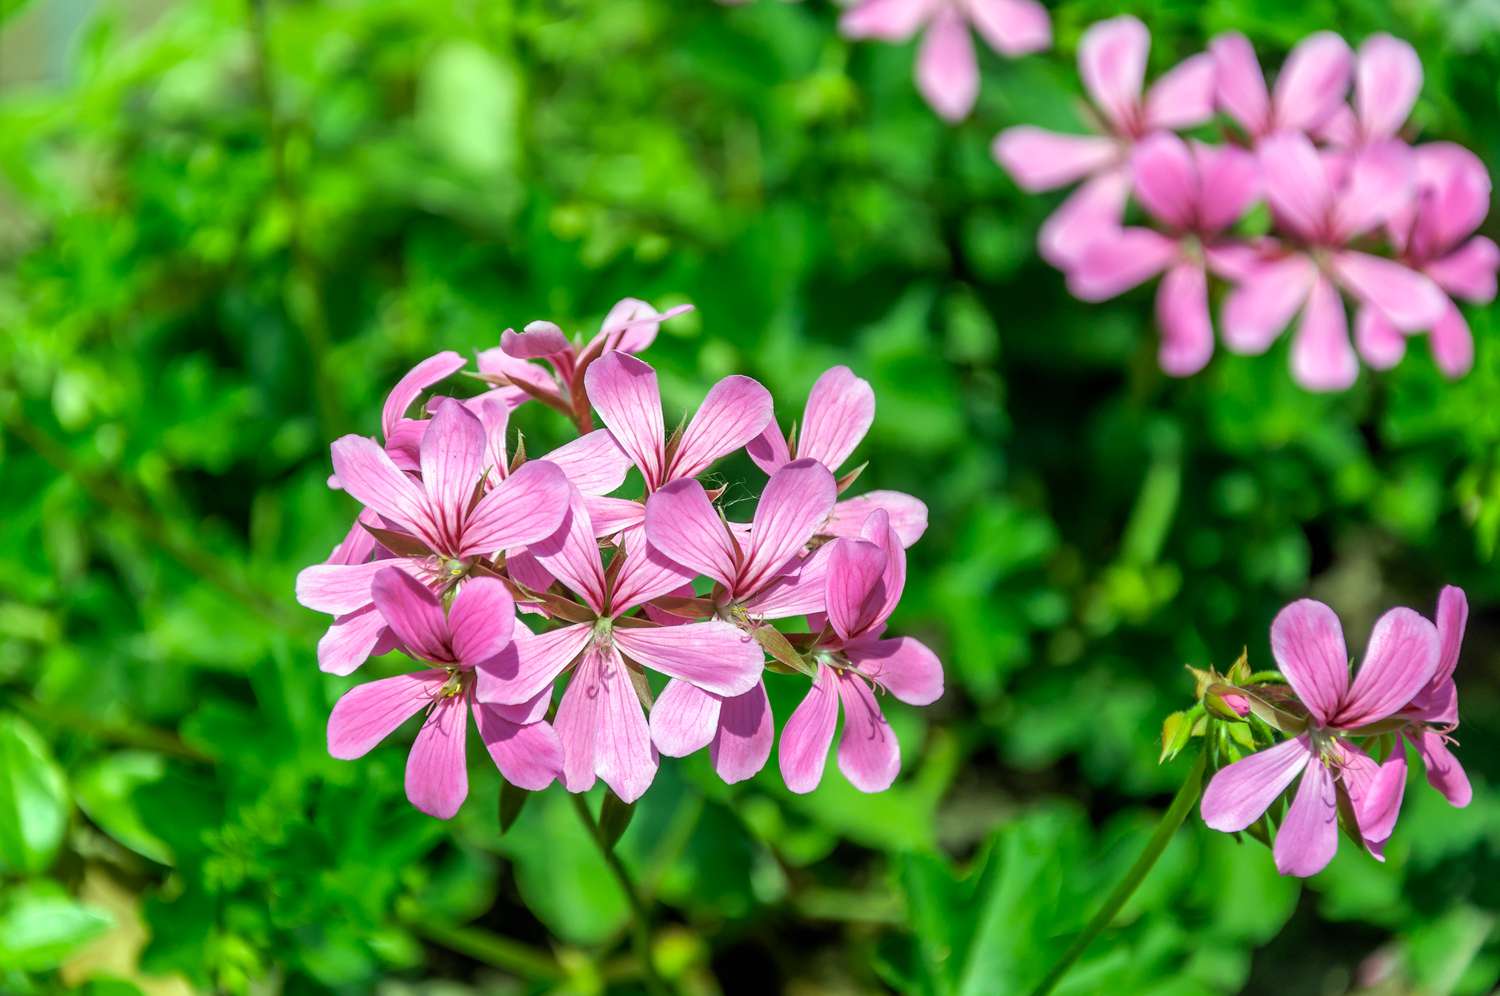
[1403,693]
[458,532]
[1356,212]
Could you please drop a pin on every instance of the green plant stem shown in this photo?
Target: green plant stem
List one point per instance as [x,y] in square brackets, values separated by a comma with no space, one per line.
[1182,804]
[492,949]
[640,926]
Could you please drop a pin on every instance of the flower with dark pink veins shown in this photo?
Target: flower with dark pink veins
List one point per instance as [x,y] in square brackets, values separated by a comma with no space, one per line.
[947,71]
[1112,61]
[600,720]
[758,575]
[477,628]
[1310,88]
[1308,644]
[866,577]
[1326,203]
[1195,192]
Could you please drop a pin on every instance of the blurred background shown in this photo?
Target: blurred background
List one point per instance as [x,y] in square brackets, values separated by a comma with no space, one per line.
[228,226]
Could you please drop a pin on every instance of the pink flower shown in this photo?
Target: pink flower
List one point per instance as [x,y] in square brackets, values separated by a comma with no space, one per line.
[1433,713]
[1112,61]
[1195,192]
[947,72]
[403,436]
[1326,204]
[476,629]
[866,577]
[840,410]
[1309,91]
[758,574]
[600,720]
[1432,234]
[1387,79]
[1308,645]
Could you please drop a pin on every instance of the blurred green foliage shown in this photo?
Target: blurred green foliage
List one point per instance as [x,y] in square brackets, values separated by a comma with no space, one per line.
[227,227]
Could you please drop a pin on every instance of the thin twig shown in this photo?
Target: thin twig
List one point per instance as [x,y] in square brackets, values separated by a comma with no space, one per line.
[492,949]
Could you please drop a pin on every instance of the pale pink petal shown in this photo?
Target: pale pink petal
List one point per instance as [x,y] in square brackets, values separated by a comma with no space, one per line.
[714,655]
[418,379]
[1455,197]
[527,507]
[1011,27]
[594,462]
[1322,358]
[1313,82]
[523,567]
[1309,835]
[572,555]
[632,324]
[808,733]
[888,20]
[1410,300]
[736,410]
[1228,183]
[1376,790]
[500,364]
[1378,185]
[1187,332]
[354,639]
[1257,310]
[1119,260]
[529,755]
[414,613]
[453,460]
[686,528]
[1469,271]
[437,776]
[869,755]
[1240,84]
[1340,130]
[877,529]
[796,501]
[536,340]
[1444,773]
[603,729]
[802,590]
[1039,160]
[647,573]
[1380,343]
[904,667]
[856,589]
[840,409]
[367,473]
[494,416]
[908,515]
[1452,620]
[1398,663]
[530,664]
[768,450]
[742,742]
[357,544]
[1436,704]
[1296,184]
[1166,179]
[337,588]
[684,719]
[1093,210]
[1183,97]
[1387,80]
[1112,61]
[1308,644]
[368,713]
[947,72]
[481,620]
[1237,795]
[624,392]
[1452,343]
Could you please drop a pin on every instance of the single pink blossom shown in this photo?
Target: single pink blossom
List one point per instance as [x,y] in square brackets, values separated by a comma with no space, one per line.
[1195,192]
[477,628]
[759,574]
[1112,61]
[947,71]
[1387,80]
[1310,89]
[1308,644]
[866,577]
[600,719]
[1326,203]
[840,410]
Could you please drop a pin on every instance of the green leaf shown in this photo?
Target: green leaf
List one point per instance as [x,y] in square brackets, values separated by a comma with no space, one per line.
[614,817]
[33,799]
[41,925]
[512,800]
[106,792]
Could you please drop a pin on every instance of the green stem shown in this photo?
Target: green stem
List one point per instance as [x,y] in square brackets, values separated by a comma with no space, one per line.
[640,925]
[1182,804]
[492,949]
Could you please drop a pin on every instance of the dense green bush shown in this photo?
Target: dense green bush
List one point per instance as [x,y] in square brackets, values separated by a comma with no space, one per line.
[225,233]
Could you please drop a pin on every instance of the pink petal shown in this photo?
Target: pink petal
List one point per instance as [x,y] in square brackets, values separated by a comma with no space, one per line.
[437,776]
[632,324]
[714,655]
[367,714]
[481,620]
[1313,81]
[1399,662]
[736,410]
[1379,184]
[647,574]
[1093,210]
[686,528]
[888,20]
[1444,773]
[529,755]
[1187,332]
[1387,80]
[808,733]
[1257,310]
[869,755]
[1452,343]
[1410,300]
[877,529]
[1228,183]
[1376,790]
[572,555]
[623,391]
[535,341]
[1296,183]
[1380,343]
[494,416]
[453,457]
[530,664]
[840,410]
[1469,271]
[1183,97]
[1308,644]
[354,639]
[527,507]
[1309,836]
[1011,27]
[1452,620]
[413,613]
[593,462]
[947,73]
[768,450]
[1240,84]
[742,742]
[1455,197]
[1166,179]
[799,592]
[523,567]
[603,729]
[337,588]
[1112,60]
[856,590]
[1039,160]
[613,516]
[498,363]
[908,515]
[796,501]
[1322,358]
[1237,795]
[418,379]
[367,473]
[904,667]
[684,719]
[1115,262]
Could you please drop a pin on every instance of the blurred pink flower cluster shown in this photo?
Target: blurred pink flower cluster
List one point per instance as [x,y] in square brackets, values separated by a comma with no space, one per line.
[1358,216]
[460,531]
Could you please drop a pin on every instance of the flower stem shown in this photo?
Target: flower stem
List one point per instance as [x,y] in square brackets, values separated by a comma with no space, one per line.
[640,925]
[1182,804]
